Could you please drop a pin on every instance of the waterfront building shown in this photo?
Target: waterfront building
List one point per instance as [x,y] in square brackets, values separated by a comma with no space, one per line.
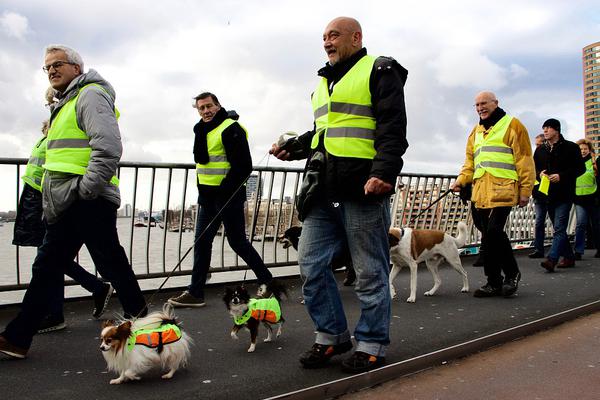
[591,93]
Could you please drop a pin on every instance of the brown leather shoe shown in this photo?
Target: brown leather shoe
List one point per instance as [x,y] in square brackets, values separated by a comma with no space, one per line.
[548,264]
[566,263]
[10,349]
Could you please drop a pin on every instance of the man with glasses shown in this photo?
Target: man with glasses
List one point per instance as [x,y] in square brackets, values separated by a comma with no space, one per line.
[80,195]
[499,164]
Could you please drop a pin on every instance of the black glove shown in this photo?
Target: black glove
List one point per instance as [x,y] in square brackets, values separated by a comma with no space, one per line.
[465,193]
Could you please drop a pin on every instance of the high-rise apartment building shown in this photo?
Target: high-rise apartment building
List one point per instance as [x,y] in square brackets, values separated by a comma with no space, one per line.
[591,93]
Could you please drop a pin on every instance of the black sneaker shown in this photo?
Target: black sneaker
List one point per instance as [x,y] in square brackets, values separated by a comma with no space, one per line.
[488,291]
[51,323]
[101,299]
[511,285]
[361,362]
[320,354]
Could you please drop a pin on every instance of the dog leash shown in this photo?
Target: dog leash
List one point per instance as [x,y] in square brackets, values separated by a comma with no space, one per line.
[170,274]
[446,193]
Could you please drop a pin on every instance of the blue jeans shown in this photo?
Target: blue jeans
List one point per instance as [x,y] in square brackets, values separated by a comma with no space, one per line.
[589,213]
[541,211]
[89,222]
[365,228]
[559,215]
[235,229]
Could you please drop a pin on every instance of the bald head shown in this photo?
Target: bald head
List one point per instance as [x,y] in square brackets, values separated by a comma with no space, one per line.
[485,104]
[342,38]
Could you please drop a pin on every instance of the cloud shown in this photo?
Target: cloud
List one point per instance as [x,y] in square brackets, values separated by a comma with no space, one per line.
[13,24]
[466,67]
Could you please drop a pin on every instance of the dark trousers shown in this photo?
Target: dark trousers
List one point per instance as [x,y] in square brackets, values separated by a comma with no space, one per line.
[235,229]
[495,244]
[89,222]
[80,275]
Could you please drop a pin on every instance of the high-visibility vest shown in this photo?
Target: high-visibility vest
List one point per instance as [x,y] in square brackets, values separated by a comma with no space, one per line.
[346,117]
[586,182]
[154,338]
[34,170]
[68,147]
[261,309]
[491,154]
[213,172]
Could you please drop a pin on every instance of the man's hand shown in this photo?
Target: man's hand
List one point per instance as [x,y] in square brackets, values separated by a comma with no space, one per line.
[523,201]
[554,178]
[279,153]
[455,187]
[376,186]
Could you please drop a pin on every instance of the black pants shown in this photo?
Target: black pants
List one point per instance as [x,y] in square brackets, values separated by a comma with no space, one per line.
[89,222]
[498,253]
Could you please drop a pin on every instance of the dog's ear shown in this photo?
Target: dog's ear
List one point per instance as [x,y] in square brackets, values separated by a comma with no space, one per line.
[393,240]
[108,322]
[125,327]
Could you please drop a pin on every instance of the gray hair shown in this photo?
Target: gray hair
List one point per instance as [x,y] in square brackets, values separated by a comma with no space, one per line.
[72,55]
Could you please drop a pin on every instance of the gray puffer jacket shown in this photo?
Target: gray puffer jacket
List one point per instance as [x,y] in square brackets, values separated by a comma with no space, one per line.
[96,117]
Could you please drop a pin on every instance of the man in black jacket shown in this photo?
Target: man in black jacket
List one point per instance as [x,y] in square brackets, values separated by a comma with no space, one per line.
[358,140]
[558,161]
[223,163]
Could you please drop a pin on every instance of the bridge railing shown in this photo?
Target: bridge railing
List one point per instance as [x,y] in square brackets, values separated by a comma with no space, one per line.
[159,208]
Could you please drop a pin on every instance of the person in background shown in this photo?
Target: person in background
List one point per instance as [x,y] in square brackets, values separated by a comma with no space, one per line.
[559,162]
[223,163]
[80,196]
[586,202]
[541,211]
[499,165]
[355,155]
[29,230]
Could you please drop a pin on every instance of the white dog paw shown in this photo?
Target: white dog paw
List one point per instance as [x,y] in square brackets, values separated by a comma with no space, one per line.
[116,381]
[464,290]
[168,375]
[234,336]
[267,340]
[410,300]
[251,348]
[428,293]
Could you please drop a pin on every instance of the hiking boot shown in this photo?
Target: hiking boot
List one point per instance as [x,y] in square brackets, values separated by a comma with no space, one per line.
[11,350]
[566,263]
[52,323]
[536,254]
[361,362]
[488,291]
[185,299]
[511,285]
[549,264]
[101,299]
[320,354]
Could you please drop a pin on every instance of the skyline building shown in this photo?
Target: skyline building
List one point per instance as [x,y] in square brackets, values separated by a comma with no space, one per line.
[591,93]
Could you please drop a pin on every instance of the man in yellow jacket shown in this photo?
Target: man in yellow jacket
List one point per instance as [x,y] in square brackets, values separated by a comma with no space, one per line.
[500,166]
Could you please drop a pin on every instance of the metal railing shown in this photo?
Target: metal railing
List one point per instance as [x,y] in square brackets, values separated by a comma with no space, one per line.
[163,195]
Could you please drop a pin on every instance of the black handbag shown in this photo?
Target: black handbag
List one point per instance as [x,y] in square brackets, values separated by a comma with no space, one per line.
[310,188]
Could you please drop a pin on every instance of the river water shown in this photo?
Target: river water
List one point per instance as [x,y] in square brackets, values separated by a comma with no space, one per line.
[144,258]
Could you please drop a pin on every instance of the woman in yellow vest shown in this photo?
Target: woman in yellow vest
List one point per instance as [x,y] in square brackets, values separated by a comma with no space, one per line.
[586,202]
[223,163]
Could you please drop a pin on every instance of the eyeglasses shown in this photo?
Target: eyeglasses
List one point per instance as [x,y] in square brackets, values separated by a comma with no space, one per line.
[56,65]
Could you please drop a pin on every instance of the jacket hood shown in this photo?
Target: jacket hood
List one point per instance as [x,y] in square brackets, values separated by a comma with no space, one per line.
[92,76]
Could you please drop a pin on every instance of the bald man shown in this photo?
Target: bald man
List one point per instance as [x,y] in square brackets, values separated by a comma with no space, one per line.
[499,164]
[356,147]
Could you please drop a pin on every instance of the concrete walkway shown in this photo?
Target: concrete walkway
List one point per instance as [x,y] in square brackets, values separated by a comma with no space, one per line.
[561,363]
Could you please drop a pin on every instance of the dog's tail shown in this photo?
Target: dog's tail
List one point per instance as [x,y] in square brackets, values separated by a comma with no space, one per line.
[156,319]
[461,239]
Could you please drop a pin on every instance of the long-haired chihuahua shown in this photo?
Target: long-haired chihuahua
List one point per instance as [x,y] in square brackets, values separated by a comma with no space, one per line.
[133,347]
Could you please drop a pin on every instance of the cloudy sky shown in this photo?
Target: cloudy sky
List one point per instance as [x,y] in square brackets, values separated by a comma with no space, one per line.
[260,58]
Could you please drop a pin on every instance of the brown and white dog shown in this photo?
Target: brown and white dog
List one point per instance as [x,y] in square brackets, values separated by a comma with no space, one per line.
[412,246]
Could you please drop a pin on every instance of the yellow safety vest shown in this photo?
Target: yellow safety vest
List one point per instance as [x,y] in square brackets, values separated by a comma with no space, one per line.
[34,171]
[346,116]
[491,154]
[68,147]
[213,172]
[586,182]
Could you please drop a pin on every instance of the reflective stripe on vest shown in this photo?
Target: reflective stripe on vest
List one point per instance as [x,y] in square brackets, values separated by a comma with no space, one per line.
[213,172]
[346,117]
[154,338]
[491,154]
[261,309]
[68,147]
[34,170]
[586,182]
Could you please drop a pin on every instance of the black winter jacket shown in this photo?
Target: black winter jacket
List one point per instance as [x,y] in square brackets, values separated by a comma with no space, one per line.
[238,154]
[564,159]
[29,227]
[345,177]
